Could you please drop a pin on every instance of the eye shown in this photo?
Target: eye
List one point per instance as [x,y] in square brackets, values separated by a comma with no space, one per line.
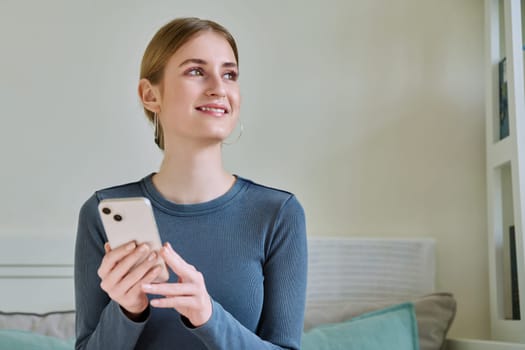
[231,75]
[195,72]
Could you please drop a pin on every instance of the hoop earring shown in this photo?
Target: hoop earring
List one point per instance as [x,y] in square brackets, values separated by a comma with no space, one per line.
[238,137]
[156,125]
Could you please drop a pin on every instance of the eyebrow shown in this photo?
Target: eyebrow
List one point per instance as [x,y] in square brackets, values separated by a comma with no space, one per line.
[203,62]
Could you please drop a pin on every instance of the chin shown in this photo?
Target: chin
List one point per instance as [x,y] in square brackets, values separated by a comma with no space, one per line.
[215,139]
[221,135]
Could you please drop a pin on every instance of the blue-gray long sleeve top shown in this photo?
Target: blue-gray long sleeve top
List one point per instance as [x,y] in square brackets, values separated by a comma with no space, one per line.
[250,246]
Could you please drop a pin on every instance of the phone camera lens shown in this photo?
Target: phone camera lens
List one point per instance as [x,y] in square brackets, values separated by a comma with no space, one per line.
[106,211]
[117,217]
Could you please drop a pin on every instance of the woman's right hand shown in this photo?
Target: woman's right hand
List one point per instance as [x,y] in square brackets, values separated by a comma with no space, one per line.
[123,271]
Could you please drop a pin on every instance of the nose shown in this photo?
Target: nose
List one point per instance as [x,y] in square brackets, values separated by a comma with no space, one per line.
[216,86]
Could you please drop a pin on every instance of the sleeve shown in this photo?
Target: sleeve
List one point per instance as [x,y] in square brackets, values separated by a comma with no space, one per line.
[98,318]
[282,317]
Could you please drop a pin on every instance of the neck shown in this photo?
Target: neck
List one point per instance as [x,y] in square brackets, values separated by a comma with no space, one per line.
[192,175]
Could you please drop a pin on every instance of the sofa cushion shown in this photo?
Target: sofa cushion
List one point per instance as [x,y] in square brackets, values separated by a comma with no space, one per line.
[434,313]
[393,328]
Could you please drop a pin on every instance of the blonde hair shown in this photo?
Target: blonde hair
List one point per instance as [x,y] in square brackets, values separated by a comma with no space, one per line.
[165,43]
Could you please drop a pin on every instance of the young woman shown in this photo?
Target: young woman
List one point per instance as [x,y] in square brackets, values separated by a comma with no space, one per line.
[236,250]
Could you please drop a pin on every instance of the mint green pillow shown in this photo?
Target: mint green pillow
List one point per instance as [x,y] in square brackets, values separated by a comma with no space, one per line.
[392,328]
[25,340]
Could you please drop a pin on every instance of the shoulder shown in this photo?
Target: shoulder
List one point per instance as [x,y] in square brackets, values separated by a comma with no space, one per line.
[264,190]
[268,196]
[286,216]
[131,189]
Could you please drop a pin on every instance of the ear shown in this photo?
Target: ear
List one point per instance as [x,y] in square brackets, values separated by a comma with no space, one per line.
[149,95]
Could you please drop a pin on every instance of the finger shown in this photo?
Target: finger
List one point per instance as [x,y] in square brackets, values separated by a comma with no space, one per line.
[175,302]
[112,257]
[124,266]
[151,275]
[170,289]
[138,272]
[181,268]
[107,248]
[164,274]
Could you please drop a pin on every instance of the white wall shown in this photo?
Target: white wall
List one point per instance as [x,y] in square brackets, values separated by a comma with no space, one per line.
[370,111]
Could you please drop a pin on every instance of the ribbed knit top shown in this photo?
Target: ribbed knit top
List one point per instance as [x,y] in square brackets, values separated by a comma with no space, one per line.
[250,246]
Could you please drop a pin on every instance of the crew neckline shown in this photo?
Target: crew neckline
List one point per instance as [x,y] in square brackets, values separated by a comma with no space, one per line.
[158,200]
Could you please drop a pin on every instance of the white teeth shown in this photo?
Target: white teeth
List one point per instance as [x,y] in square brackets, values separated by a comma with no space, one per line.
[210,109]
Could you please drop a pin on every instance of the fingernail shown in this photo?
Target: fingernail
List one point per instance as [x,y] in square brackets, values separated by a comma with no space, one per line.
[152,256]
[154,302]
[130,246]
[143,248]
[146,286]
[167,247]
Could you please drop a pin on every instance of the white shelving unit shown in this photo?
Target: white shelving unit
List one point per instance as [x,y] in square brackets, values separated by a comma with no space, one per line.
[505,167]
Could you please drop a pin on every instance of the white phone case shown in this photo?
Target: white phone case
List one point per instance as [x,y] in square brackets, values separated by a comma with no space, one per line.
[131,219]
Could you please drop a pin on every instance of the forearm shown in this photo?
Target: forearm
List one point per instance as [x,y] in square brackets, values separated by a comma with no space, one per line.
[223,332]
[113,331]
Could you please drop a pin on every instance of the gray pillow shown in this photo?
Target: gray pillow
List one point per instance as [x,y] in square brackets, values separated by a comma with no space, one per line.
[60,324]
[434,313]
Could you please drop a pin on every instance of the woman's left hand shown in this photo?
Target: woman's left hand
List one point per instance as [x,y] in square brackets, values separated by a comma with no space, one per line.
[188,296]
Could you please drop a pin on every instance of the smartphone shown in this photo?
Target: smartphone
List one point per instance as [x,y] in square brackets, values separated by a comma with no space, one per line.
[131,219]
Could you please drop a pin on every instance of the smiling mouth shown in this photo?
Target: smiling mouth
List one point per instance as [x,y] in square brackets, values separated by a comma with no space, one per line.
[217,110]
[211,109]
